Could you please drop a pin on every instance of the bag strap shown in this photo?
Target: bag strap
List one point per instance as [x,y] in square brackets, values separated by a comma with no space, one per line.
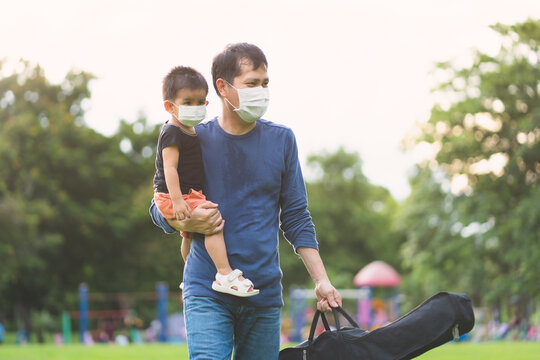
[314,324]
[345,315]
[325,322]
[320,314]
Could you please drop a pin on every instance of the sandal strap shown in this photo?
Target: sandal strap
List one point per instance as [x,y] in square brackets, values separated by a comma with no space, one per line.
[247,283]
[234,275]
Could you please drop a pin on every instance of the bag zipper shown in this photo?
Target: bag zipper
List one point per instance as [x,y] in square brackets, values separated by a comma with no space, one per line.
[455,332]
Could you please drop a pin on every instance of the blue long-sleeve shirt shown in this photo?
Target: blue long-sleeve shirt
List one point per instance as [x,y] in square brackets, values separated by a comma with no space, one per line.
[257,181]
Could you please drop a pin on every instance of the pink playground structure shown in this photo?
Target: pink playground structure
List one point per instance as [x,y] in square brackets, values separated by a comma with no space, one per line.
[376,312]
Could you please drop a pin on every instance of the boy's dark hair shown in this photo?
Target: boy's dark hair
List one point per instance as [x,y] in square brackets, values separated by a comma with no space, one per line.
[226,65]
[182,77]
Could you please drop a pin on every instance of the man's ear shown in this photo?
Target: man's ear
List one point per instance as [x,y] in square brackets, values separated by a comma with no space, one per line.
[221,86]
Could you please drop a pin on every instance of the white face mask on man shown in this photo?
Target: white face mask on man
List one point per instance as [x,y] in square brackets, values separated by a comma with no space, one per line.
[253,102]
[190,115]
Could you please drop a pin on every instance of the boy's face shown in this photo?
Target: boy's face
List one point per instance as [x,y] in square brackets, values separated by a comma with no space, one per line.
[186,97]
[248,78]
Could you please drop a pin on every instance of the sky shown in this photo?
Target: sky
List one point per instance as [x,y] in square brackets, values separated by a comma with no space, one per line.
[342,73]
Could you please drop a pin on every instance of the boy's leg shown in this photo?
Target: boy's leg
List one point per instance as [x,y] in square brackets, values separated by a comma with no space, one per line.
[257,333]
[209,328]
[215,245]
[185,247]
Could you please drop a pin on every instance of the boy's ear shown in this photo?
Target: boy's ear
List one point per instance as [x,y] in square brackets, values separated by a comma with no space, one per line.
[221,85]
[168,106]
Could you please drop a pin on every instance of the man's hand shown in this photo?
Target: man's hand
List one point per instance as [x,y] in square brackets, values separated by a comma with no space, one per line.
[205,219]
[327,296]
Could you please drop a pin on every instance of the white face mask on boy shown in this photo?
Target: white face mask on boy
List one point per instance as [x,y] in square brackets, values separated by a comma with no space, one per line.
[190,115]
[253,102]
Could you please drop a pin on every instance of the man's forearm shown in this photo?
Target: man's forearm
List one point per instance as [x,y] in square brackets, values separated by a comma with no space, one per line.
[326,294]
[313,262]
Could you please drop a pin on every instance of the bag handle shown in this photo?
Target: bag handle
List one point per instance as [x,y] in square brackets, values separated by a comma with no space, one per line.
[335,311]
[314,324]
[345,315]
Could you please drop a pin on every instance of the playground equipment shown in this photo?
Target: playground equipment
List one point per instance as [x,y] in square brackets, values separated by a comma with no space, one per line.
[375,274]
[161,296]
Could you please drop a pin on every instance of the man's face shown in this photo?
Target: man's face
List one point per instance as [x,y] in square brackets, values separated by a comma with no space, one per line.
[248,78]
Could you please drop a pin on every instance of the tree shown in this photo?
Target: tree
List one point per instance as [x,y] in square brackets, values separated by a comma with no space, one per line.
[73,204]
[475,207]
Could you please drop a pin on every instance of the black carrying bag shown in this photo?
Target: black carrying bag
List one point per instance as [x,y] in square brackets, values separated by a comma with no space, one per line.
[439,319]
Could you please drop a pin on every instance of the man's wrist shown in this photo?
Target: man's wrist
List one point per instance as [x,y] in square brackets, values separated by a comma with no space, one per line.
[323,280]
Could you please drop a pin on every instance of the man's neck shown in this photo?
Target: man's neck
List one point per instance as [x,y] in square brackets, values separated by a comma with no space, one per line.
[232,124]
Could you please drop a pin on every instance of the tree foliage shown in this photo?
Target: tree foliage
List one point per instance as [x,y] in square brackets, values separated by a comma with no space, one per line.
[473,218]
[73,205]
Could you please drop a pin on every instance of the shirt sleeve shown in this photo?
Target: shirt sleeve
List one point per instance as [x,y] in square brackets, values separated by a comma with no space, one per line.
[295,218]
[169,137]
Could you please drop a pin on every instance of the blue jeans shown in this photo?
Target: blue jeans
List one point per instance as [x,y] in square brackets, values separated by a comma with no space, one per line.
[159,220]
[214,328]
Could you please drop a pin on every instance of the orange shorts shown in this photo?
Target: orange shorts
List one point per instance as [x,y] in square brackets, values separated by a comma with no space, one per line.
[164,204]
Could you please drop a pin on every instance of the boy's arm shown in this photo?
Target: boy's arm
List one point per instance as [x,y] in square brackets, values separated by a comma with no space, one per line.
[204,219]
[170,169]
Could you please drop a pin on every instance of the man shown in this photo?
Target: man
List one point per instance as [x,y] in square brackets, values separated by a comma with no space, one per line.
[253,173]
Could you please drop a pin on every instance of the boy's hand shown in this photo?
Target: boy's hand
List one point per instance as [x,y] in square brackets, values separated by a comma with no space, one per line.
[181,209]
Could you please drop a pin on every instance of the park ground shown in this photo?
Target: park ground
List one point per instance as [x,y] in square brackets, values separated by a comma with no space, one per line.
[461,351]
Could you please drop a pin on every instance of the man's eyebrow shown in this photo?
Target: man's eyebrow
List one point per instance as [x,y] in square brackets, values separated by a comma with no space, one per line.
[256,79]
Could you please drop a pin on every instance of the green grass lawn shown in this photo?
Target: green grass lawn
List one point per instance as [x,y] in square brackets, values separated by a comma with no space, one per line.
[460,351]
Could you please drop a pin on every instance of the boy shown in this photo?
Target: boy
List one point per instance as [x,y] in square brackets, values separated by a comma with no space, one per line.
[180,173]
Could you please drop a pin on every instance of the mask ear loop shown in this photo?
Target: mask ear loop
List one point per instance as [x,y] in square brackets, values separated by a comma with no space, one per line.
[234,107]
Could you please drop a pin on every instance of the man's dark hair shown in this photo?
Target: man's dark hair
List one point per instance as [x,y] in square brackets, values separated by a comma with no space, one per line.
[226,65]
[182,77]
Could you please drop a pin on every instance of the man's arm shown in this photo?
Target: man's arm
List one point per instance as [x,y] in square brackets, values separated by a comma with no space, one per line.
[298,227]
[327,295]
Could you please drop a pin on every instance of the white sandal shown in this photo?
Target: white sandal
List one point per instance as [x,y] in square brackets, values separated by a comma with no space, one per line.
[226,284]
